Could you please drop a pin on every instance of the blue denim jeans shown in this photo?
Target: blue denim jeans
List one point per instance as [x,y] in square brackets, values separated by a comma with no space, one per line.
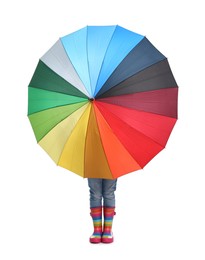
[102,192]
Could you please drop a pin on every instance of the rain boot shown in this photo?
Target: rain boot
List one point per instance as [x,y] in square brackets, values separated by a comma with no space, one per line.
[96,214]
[107,236]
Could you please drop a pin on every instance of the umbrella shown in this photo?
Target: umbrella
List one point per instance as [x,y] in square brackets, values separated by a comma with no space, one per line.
[102,101]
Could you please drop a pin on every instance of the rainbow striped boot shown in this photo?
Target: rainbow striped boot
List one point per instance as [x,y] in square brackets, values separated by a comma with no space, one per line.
[96,214]
[107,236]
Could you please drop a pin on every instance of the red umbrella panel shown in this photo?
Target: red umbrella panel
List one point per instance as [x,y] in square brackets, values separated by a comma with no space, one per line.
[102,102]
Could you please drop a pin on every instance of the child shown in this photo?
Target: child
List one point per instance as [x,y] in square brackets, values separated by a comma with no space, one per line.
[102,198]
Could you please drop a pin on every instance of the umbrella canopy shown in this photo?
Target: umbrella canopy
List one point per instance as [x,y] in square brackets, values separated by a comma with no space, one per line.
[102,101]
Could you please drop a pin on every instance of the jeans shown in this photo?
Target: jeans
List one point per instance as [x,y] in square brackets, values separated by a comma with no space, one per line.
[102,190]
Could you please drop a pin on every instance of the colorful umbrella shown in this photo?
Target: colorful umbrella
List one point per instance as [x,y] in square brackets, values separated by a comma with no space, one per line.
[102,102]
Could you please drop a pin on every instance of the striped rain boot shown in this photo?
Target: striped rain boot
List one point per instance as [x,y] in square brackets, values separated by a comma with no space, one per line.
[96,214]
[107,236]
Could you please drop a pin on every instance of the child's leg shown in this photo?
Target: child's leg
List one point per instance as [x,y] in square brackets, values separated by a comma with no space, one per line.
[95,186]
[107,236]
[108,192]
[96,214]
[109,188]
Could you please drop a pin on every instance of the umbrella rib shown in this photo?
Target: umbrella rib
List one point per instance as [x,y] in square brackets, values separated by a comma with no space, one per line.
[103,61]
[51,73]
[88,61]
[138,72]
[56,123]
[85,144]
[60,92]
[134,128]
[100,141]
[56,107]
[118,141]
[70,135]
[73,78]
[140,110]
[102,99]
[103,145]
[88,94]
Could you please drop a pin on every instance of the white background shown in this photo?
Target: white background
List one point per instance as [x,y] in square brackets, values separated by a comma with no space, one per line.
[44,209]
